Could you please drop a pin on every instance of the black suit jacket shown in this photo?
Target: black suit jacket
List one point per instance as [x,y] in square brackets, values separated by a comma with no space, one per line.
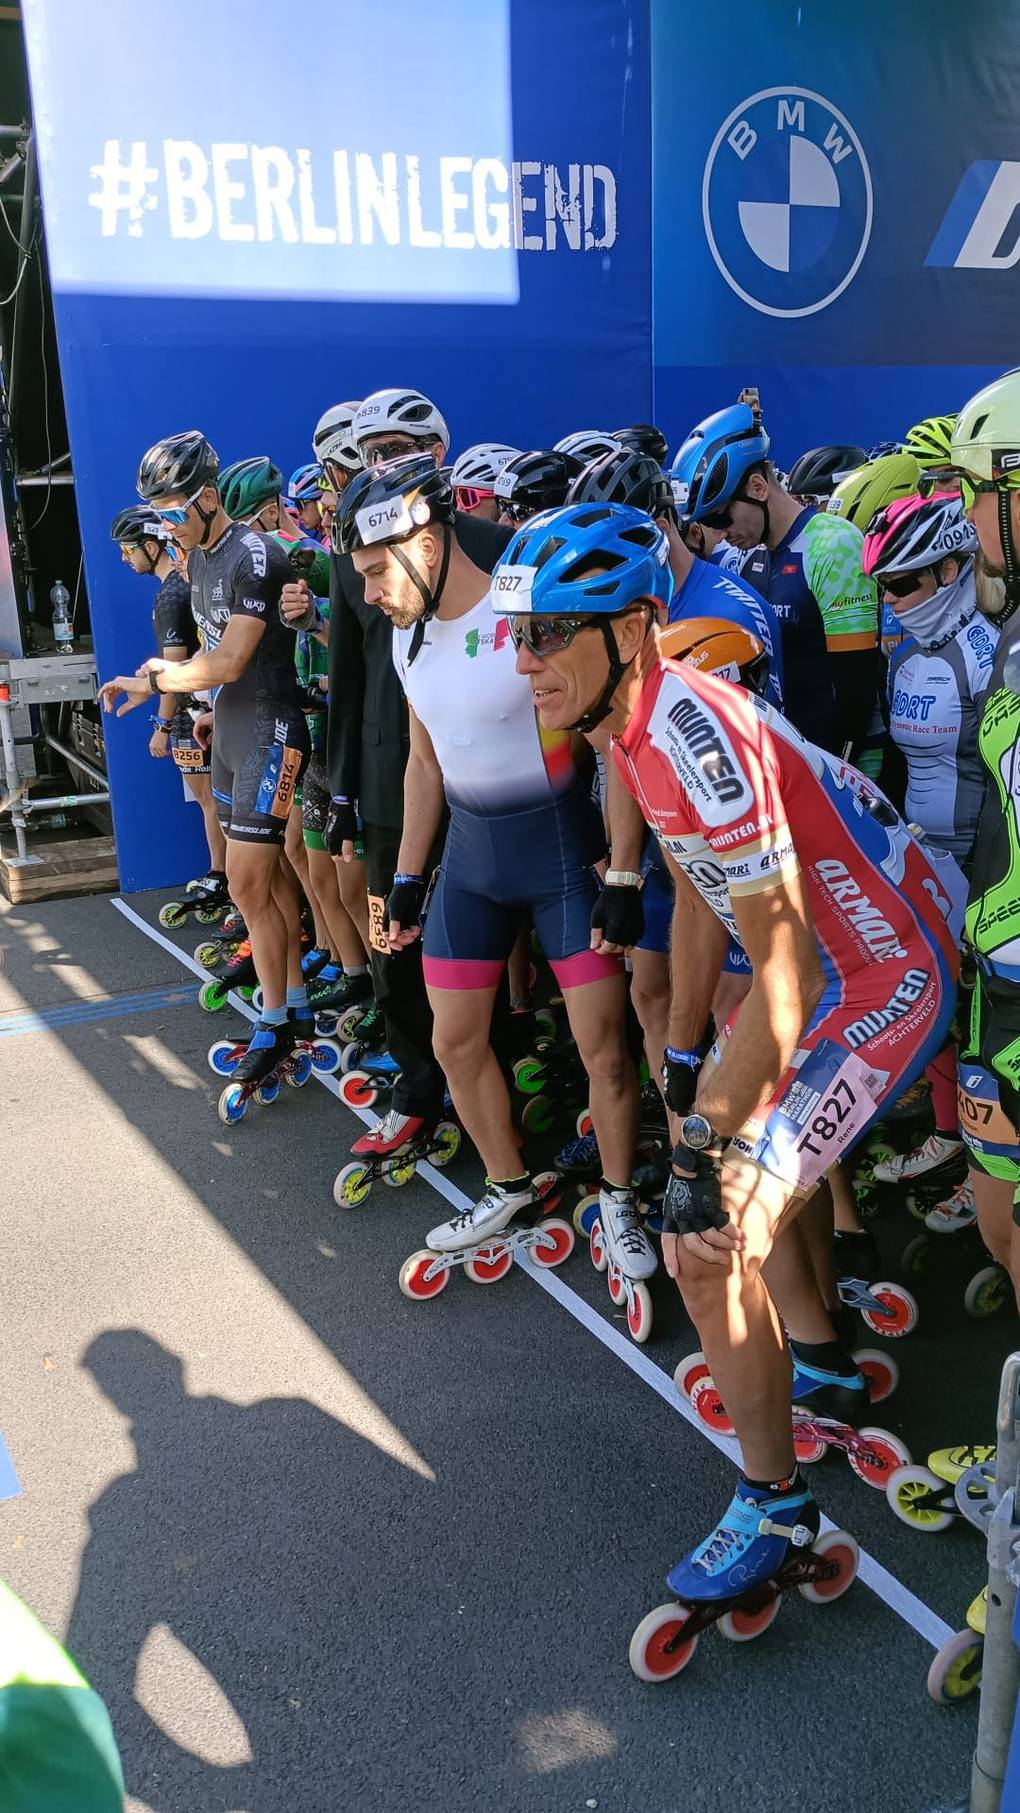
[367,736]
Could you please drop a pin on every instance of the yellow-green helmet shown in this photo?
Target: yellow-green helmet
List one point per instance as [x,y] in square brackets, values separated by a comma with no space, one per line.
[986,439]
[873,487]
[929,441]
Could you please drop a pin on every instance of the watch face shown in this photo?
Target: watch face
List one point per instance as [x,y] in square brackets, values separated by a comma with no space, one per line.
[696,1132]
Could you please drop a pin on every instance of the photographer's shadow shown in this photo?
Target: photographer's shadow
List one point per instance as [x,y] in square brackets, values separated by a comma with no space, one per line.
[252,1532]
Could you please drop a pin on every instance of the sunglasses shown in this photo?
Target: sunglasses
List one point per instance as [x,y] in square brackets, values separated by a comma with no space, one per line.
[547,635]
[389,450]
[176,513]
[468,497]
[335,477]
[900,585]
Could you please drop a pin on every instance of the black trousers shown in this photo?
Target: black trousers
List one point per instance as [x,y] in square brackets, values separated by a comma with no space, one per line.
[400,988]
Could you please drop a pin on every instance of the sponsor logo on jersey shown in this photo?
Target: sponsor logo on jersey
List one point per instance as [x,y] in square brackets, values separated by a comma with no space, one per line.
[216,595]
[494,639]
[913,707]
[740,833]
[712,752]
[874,931]
[904,998]
[786,201]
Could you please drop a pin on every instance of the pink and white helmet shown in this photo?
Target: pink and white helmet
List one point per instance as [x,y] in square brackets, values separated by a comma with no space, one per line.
[916,532]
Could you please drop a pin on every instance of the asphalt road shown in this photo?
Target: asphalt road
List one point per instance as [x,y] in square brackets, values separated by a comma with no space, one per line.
[323,1549]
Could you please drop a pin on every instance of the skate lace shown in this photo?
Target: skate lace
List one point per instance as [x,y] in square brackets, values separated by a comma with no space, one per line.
[579,1151]
[629,1232]
[720,1549]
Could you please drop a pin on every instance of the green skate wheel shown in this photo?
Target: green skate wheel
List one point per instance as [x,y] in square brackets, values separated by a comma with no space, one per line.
[172,916]
[988,1291]
[213,996]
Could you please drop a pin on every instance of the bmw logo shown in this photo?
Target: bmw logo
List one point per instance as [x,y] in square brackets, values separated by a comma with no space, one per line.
[786,200]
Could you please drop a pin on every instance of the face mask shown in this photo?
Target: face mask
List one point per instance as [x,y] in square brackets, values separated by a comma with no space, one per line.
[937,618]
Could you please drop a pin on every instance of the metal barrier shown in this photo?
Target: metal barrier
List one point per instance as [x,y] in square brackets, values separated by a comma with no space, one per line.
[1000,1667]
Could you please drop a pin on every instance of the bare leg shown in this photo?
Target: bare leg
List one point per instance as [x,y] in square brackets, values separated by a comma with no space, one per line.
[342,933]
[737,1322]
[354,894]
[287,895]
[462,1019]
[650,995]
[596,1013]
[294,847]
[200,787]
[520,968]
[993,1199]
[251,872]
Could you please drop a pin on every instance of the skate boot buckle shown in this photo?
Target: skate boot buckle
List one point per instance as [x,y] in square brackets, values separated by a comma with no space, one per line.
[798,1533]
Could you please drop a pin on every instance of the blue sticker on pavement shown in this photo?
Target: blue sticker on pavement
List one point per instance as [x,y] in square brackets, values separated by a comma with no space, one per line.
[10,1484]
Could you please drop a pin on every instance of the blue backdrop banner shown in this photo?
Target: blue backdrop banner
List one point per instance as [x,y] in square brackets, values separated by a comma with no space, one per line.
[277,219]
[836,212]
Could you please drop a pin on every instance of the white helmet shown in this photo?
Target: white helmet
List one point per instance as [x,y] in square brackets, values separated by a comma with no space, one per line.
[403,412]
[587,444]
[333,439]
[482,465]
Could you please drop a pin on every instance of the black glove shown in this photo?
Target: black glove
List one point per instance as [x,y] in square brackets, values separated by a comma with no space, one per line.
[341,826]
[619,915]
[404,902]
[680,1071]
[692,1204]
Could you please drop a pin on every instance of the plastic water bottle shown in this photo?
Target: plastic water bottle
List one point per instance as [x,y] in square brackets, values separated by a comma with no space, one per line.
[63,628]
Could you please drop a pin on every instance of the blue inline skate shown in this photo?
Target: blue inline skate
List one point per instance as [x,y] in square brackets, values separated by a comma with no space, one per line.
[764,1544]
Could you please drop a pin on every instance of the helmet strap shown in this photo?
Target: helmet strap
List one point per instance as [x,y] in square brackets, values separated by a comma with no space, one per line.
[1009,555]
[617,668]
[430,598]
[208,517]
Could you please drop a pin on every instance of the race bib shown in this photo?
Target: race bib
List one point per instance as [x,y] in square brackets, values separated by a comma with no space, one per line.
[511,588]
[377,924]
[827,1103]
[189,756]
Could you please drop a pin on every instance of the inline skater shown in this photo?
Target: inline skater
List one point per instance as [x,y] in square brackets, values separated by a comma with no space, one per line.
[367,742]
[874,486]
[392,422]
[251,492]
[304,490]
[853,963]
[524,833]
[334,446]
[474,478]
[146,547]
[804,561]
[534,481]
[920,553]
[815,475]
[986,456]
[260,739]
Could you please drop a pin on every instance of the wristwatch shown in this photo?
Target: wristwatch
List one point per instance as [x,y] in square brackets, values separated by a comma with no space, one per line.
[154,673]
[696,1132]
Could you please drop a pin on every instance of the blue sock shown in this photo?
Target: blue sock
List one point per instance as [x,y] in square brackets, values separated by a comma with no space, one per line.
[275,1016]
[297,1000]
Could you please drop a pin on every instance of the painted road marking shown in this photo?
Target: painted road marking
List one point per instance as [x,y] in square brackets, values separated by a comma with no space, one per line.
[74,1013]
[885,1585]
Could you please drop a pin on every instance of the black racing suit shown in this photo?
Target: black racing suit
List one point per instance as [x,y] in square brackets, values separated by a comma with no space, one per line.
[260,738]
[177,636]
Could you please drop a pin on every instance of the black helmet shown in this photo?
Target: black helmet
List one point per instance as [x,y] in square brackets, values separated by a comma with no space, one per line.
[136,523]
[248,485]
[816,473]
[391,502]
[644,437]
[535,481]
[625,477]
[182,463]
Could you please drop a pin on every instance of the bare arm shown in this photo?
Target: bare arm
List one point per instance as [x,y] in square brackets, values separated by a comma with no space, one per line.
[625,820]
[214,666]
[424,801]
[776,930]
[698,943]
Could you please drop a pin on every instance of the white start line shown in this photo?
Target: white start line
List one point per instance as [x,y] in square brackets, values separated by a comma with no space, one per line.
[886,1586]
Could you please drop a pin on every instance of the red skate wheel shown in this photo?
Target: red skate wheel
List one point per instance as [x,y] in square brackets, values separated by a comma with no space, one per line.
[709,1407]
[839,1551]
[561,1235]
[617,1287]
[489,1264]
[546,1185]
[688,1373]
[657,1650]
[596,1247]
[740,1626]
[413,1280]
[639,1313]
[875,1456]
[898,1314]
[358,1089]
[807,1446]
[882,1373]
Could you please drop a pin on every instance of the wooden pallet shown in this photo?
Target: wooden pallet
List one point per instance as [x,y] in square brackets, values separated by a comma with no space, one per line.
[84,865]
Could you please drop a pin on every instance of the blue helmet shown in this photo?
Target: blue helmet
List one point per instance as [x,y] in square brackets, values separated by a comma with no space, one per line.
[715,459]
[305,484]
[540,570]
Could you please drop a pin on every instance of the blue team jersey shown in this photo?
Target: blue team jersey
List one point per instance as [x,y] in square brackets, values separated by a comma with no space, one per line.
[709,591]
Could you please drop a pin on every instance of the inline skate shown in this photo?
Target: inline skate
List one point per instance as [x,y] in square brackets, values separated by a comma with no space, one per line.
[392,1151]
[955,1672]
[484,1241]
[926,1497]
[236,973]
[207,898]
[763,1545]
